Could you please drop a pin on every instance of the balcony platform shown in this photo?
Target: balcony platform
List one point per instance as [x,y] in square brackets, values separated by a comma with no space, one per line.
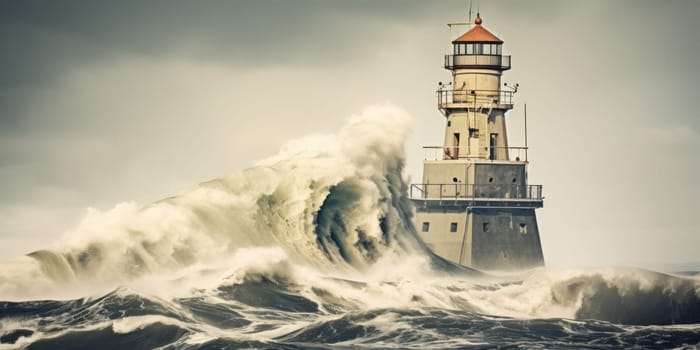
[458,197]
[473,100]
[461,204]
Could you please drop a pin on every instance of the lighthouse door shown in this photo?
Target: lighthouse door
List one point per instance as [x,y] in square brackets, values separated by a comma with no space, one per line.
[492,146]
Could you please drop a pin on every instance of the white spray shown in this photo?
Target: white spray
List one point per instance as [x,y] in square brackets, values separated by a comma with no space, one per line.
[332,202]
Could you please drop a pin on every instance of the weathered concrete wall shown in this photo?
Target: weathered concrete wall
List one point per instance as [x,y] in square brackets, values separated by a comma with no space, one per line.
[461,123]
[483,238]
[505,239]
[468,134]
[499,180]
[439,237]
[452,172]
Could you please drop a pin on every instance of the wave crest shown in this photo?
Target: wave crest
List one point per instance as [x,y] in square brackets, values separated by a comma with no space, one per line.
[333,202]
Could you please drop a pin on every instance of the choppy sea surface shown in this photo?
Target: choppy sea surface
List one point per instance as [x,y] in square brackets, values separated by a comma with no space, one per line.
[314,249]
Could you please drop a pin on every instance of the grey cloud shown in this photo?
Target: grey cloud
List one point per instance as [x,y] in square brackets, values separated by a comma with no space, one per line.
[260,31]
[44,40]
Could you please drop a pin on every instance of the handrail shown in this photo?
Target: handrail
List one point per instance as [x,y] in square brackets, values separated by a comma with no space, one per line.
[517,154]
[457,191]
[501,62]
[474,98]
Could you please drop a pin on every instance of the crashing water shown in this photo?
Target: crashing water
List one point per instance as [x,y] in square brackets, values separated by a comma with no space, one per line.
[314,248]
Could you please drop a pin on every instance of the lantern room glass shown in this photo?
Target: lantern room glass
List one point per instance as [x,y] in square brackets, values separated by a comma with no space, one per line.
[478,49]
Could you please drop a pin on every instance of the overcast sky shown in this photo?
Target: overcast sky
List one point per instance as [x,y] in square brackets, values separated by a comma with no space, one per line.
[110,101]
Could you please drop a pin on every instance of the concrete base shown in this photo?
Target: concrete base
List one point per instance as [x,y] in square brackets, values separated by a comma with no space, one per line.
[505,239]
[483,238]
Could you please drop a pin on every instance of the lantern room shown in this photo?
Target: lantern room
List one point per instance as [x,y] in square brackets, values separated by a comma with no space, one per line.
[477,48]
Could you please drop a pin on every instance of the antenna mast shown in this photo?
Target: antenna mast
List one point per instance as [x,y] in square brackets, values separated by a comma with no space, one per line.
[526,132]
[470,11]
[456,24]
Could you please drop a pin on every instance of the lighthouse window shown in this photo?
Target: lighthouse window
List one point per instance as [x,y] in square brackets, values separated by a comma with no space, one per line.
[523,228]
[426,226]
[453,227]
[485,227]
[487,49]
[470,49]
[498,49]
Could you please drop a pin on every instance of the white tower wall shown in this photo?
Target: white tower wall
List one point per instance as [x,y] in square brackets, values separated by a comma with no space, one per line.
[477,79]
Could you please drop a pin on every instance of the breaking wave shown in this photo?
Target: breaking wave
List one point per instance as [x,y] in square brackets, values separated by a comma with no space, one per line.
[311,247]
[334,202]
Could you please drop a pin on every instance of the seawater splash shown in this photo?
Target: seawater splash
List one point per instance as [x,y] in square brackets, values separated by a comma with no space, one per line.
[310,248]
[335,202]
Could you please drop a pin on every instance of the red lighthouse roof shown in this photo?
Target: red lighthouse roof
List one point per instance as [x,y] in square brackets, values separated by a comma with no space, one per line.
[478,34]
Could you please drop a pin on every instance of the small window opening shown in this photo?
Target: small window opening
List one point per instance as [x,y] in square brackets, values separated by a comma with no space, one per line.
[485,227]
[490,179]
[426,226]
[454,179]
[474,133]
[453,227]
[449,123]
[523,228]
[455,142]
[515,180]
[493,145]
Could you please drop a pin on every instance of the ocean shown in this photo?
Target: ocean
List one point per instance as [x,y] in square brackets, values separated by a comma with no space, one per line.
[314,248]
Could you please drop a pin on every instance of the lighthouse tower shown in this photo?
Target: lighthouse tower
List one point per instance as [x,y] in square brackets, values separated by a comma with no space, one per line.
[475,206]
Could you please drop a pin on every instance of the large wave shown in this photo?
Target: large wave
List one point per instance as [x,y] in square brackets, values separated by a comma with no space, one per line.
[334,202]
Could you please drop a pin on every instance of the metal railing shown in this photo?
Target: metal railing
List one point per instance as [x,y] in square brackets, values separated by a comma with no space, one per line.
[517,154]
[474,98]
[477,61]
[457,191]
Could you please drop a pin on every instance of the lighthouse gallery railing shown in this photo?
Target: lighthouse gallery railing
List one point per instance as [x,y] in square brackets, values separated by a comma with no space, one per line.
[476,191]
[518,154]
[474,98]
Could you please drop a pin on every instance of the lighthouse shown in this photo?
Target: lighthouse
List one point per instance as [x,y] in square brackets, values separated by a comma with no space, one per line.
[474,205]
